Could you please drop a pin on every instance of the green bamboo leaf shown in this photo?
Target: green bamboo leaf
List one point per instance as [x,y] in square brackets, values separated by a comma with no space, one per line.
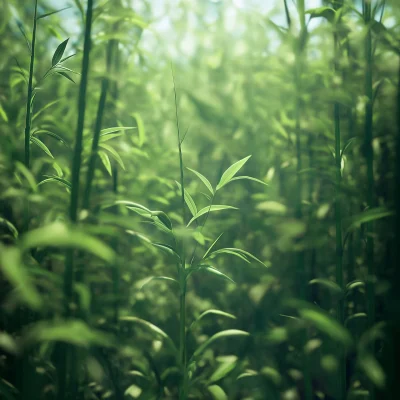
[322,12]
[60,235]
[372,369]
[8,390]
[354,285]
[157,278]
[211,312]
[155,329]
[203,179]
[231,172]
[212,208]
[328,284]
[188,200]
[217,336]
[16,273]
[27,175]
[214,271]
[222,371]
[57,56]
[250,178]
[231,252]
[114,154]
[168,249]
[51,134]
[217,393]
[65,75]
[51,13]
[67,58]
[41,145]
[3,114]
[47,106]
[163,218]
[327,324]
[54,178]
[140,127]
[115,129]
[9,226]
[347,145]
[71,331]
[368,216]
[106,161]
[211,247]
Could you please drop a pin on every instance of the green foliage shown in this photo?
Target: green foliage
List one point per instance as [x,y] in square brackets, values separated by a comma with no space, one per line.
[126,274]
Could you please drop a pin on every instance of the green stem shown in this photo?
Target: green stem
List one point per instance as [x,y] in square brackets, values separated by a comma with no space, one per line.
[182,269]
[338,219]
[65,391]
[97,128]
[30,91]
[369,160]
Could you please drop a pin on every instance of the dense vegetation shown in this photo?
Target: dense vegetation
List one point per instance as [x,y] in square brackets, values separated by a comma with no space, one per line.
[199,199]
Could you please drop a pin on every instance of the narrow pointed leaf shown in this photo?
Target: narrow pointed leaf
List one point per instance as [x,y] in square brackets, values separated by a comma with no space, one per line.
[155,329]
[51,13]
[158,278]
[53,178]
[220,335]
[216,272]
[211,312]
[140,127]
[114,154]
[65,75]
[106,161]
[168,249]
[57,56]
[231,172]
[188,200]
[211,247]
[217,393]
[115,129]
[213,208]
[204,180]
[41,145]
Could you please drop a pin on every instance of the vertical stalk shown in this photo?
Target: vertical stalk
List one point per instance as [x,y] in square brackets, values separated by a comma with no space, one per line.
[369,160]
[99,118]
[300,262]
[338,220]
[182,272]
[30,91]
[66,386]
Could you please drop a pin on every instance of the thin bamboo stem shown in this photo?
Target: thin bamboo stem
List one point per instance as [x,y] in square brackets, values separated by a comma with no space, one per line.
[30,91]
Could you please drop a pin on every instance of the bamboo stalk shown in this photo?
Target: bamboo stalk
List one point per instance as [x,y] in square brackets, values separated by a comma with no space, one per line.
[182,272]
[99,119]
[338,221]
[30,91]
[67,371]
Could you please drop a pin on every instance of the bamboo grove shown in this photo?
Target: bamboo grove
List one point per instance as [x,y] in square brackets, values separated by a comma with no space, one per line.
[199,199]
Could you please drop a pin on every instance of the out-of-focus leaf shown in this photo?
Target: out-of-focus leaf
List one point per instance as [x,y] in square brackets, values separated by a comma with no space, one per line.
[222,371]
[105,160]
[60,235]
[211,247]
[8,343]
[9,226]
[71,331]
[325,12]
[372,369]
[212,312]
[17,274]
[155,329]
[3,114]
[8,390]
[328,284]
[250,178]
[51,134]
[217,336]
[214,271]
[272,207]
[107,131]
[114,154]
[27,175]
[140,127]
[217,393]
[327,325]
[368,216]
[157,278]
